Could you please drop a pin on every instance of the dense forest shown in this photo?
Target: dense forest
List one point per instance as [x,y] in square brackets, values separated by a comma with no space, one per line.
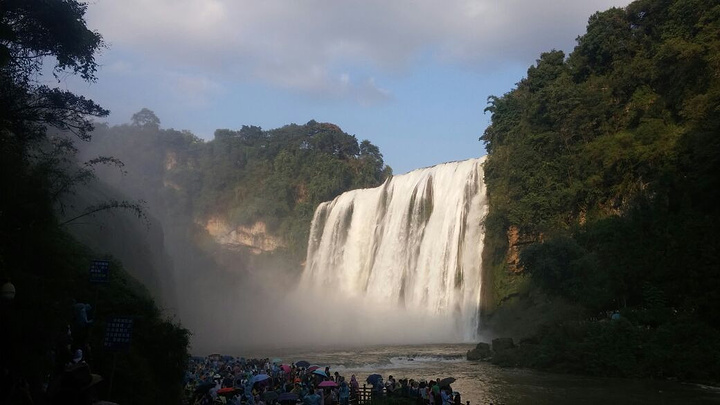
[603,180]
[230,211]
[44,271]
[251,175]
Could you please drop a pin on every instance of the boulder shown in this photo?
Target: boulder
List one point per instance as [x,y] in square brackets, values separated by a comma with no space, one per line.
[501,344]
[480,352]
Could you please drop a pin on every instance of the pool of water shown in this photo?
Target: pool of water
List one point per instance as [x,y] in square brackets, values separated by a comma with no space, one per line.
[483,383]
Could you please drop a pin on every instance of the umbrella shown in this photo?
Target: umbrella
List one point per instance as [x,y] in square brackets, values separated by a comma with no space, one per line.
[226,391]
[320,372]
[446,381]
[277,360]
[204,387]
[302,363]
[328,383]
[270,396]
[313,368]
[285,368]
[287,396]
[373,378]
[259,377]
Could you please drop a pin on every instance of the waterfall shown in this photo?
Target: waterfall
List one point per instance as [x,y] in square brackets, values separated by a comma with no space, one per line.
[411,247]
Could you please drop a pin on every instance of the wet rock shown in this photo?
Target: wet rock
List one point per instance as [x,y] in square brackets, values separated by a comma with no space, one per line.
[501,344]
[480,352]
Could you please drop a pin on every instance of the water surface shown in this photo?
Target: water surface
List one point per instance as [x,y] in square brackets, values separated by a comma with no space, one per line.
[483,383]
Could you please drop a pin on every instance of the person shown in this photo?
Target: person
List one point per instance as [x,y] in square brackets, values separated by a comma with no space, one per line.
[328,397]
[312,399]
[344,393]
[377,390]
[354,389]
[81,314]
[458,400]
[446,396]
[217,379]
[77,357]
[82,322]
[432,398]
[76,385]
[249,397]
[423,388]
[390,386]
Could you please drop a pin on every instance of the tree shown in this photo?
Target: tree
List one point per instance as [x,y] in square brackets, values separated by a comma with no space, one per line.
[146,119]
[30,33]
[39,126]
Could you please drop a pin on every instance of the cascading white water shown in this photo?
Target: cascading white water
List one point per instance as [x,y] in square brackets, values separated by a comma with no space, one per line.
[412,246]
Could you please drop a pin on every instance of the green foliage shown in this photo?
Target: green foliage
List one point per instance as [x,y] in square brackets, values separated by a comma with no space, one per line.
[606,161]
[146,119]
[49,268]
[277,177]
[685,348]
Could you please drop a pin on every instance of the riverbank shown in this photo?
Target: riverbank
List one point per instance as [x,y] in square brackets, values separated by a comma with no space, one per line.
[683,350]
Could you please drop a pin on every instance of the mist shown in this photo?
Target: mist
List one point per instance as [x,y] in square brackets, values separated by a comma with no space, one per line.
[269,312]
[395,264]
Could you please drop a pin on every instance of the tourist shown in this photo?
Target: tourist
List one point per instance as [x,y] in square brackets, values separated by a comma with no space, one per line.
[446,396]
[344,393]
[312,399]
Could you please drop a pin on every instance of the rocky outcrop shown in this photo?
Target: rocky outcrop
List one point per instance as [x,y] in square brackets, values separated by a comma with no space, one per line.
[255,238]
[516,241]
[480,352]
[170,161]
[483,351]
[502,344]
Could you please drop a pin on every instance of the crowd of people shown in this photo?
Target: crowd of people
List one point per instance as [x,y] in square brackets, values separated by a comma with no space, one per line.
[218,379]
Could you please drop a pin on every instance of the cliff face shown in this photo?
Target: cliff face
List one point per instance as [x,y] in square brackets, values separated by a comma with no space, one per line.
[255,238]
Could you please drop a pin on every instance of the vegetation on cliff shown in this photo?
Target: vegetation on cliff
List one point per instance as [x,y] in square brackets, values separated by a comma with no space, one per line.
[605,162]
[251,175]
[47,267]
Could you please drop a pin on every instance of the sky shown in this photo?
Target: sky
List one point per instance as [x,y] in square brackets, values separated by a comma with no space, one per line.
[411,76]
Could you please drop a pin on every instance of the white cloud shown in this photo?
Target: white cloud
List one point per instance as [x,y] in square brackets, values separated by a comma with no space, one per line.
[191,90]
[301,44]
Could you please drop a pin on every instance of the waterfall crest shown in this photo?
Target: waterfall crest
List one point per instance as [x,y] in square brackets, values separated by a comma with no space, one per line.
[412,246]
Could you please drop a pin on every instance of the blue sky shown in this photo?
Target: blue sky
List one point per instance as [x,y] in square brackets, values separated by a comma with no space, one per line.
[412,76]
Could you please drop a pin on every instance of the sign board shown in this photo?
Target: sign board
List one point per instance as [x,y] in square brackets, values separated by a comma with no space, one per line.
[118,333]
[99,271]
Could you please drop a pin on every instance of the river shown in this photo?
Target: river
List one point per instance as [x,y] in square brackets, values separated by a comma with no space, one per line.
[483,383]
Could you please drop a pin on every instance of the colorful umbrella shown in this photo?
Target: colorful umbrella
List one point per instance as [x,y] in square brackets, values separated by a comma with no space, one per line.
[320,372]
[226,391]
[302,363]
[313,368]
[328,383]
[258,378]
[270,396]
[446,381]
[285,368]
[373,378]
